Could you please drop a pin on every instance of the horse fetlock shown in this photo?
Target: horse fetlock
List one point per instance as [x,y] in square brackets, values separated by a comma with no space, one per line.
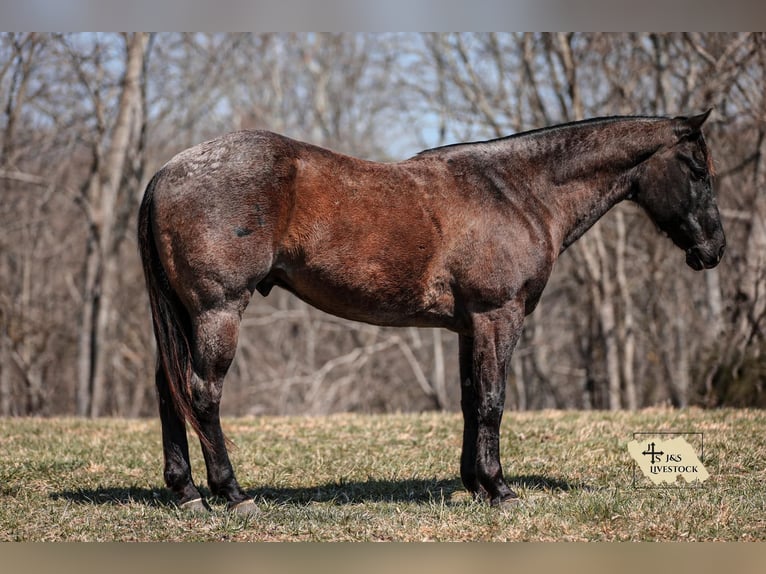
[177,477]
[470,480]
[226,487]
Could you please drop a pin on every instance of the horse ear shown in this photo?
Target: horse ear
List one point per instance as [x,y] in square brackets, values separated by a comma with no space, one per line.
[687,127]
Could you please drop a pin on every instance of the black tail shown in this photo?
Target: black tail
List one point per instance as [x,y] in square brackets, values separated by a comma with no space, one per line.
[172,327]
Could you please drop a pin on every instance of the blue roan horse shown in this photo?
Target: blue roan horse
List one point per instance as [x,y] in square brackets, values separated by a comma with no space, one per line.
[462,237]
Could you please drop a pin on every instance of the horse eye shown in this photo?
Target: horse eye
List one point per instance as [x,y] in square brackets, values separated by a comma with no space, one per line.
[697,175]
[696,169]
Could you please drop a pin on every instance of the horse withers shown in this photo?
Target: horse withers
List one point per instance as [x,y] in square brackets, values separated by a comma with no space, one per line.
[462,237]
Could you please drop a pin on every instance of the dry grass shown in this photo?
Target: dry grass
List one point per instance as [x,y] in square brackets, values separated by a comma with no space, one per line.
[384,477]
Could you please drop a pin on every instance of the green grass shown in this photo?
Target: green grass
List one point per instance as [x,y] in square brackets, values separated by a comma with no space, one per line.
[384,477]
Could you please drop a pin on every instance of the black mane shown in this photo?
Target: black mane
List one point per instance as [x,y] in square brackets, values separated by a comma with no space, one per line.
[548,130]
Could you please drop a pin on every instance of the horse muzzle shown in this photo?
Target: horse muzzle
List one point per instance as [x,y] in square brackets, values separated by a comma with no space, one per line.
[701,257]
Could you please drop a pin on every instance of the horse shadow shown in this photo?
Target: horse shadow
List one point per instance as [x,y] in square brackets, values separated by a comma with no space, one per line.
[405,490]
[421,491]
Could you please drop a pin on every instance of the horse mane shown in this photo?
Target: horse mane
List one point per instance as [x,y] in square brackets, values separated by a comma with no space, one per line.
[709,163]
[548,130]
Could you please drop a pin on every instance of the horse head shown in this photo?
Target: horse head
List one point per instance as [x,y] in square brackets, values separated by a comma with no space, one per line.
[675,188]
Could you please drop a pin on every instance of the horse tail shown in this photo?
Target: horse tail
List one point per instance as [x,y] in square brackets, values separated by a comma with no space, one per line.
[172,325]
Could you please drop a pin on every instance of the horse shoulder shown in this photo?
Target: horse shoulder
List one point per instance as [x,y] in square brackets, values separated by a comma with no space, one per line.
[504,247]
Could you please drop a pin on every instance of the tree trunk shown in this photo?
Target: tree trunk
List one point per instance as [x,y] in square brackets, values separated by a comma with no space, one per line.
[5,375]
[438,378]
[101,268]
[519,382]
[682,382]
[753,287]
[625,332]
[611,346]
[593,251]
[85,336]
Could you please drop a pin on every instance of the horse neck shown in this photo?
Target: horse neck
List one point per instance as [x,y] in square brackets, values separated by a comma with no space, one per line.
[580,171]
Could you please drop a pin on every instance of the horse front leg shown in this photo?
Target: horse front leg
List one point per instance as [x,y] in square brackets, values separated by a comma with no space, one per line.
[494,337]
[470,407]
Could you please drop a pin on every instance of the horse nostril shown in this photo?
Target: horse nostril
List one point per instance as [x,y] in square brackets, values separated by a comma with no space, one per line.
[721,252]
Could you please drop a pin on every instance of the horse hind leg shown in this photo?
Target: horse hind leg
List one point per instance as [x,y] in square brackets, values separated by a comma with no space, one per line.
[177,471]
[215,332]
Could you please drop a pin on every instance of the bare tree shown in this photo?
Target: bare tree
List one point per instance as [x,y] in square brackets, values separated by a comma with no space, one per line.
[84,118]
[32,334]
[107,216]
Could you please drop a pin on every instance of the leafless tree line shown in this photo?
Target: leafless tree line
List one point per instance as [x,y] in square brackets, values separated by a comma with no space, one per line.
[85,119]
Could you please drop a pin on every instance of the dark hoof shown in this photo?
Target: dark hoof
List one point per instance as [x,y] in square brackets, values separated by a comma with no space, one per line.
[509,501]
[195,505]
[246,508]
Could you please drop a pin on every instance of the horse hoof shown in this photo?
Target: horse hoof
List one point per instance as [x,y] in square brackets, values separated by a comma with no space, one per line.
[507,503]
[195,505]
[245,508]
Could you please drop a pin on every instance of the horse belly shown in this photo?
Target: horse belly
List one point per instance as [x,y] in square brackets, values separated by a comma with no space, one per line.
[370,293]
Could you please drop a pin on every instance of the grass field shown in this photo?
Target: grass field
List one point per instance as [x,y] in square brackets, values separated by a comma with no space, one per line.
[384,477]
